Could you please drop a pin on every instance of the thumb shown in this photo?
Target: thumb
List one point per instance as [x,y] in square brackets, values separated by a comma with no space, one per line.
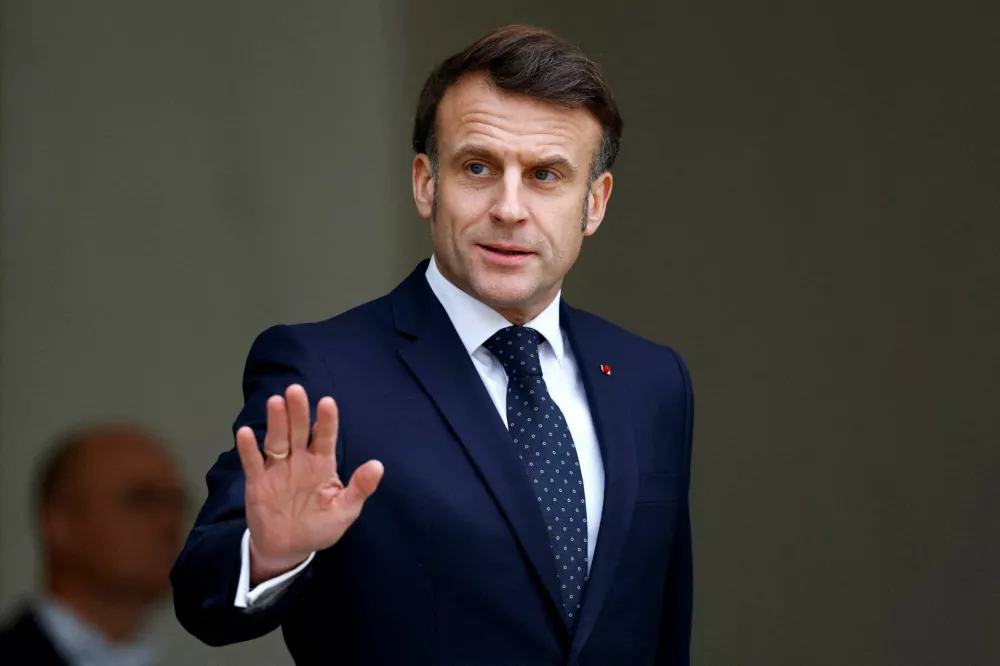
[363,483]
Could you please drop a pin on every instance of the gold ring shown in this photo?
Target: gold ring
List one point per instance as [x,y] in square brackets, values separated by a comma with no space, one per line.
[275,456]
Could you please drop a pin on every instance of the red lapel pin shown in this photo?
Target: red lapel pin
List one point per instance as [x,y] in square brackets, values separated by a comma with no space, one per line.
[606,369]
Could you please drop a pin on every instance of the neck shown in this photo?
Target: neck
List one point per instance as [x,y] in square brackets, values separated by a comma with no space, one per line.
[118,617]
[520,316]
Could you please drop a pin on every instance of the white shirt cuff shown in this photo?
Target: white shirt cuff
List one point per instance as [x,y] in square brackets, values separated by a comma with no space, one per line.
[268,591]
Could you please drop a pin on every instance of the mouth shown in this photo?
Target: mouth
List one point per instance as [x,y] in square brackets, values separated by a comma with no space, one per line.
[504,250]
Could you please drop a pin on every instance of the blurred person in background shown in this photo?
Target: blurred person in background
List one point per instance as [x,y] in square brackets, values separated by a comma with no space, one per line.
[111,512]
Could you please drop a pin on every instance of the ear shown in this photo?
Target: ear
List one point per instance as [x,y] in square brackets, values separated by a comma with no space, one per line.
[423,186]
[597,202]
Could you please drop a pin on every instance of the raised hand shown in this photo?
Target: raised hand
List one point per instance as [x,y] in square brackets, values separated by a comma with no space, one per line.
[295,502]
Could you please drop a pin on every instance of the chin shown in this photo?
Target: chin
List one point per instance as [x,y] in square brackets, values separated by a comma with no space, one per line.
[504,291]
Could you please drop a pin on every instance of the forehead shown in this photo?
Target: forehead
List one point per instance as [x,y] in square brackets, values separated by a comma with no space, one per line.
[475,112]
[119,460]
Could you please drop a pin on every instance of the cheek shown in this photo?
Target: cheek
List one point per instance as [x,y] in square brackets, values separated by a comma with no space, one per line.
[461,207]
[100,541]
[563,229]
[569,250]
[129,533]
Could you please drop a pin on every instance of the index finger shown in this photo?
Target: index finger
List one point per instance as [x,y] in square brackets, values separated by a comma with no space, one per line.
[250,456]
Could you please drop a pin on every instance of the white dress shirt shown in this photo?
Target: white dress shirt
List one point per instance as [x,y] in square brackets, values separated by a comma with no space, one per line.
[475,323]
[83,645]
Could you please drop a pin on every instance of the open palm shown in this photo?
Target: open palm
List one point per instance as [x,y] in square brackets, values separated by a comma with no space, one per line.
[295,501]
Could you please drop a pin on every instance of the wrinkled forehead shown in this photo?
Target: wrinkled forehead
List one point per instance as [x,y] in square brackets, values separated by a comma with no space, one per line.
[475,114]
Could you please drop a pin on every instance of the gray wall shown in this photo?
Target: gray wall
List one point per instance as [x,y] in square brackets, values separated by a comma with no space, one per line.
[805,206]
[176,177]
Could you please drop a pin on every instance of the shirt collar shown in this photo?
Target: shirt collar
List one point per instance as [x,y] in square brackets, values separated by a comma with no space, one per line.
[475,321]
[82,643]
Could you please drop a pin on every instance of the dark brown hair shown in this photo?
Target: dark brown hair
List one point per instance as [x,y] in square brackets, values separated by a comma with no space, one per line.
[527,61]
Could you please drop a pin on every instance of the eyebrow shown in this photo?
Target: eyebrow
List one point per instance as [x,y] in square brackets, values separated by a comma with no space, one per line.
[545,163]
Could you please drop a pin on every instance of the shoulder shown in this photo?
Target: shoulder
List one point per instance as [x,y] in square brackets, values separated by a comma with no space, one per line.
[653,381]
[16,625]
[361,323]
[653,359]
[22,637]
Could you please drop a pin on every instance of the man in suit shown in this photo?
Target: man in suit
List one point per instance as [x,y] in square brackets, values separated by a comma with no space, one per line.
[111,509]
[523,466]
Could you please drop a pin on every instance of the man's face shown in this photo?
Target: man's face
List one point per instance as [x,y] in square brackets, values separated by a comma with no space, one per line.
[512,200]
[123,524]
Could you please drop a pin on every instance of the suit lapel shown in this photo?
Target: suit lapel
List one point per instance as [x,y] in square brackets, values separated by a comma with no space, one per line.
[441,365]
[611,421]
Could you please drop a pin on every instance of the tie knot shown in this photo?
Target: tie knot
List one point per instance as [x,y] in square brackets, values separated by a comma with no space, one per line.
[516,347]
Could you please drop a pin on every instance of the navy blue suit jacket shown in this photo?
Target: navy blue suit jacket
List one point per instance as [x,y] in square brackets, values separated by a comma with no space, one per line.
[449,562]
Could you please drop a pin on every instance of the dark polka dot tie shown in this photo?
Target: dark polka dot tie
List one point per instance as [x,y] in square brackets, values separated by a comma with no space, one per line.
[545,445]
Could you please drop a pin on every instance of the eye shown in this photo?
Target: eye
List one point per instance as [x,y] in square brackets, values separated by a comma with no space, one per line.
[545,175]
[477,169]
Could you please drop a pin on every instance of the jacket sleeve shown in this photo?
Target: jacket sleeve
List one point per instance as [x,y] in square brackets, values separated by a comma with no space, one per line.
[206,573]
[675,624]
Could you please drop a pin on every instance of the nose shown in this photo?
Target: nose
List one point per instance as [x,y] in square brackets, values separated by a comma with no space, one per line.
[509,206]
